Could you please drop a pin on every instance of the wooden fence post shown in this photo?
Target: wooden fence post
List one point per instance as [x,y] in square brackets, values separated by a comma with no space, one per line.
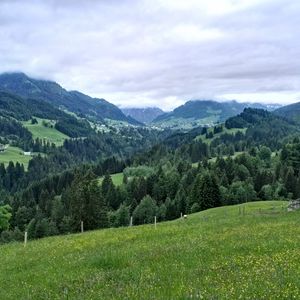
[25,238]
[130,223]
[155,222]
[81,225]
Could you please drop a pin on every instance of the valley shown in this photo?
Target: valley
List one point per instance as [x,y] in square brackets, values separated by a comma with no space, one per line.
[231,169]
[149,150]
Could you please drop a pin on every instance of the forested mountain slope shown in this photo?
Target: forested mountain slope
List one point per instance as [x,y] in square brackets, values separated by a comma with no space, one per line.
[291,112]
[53,93]
[203,112]
[22,109]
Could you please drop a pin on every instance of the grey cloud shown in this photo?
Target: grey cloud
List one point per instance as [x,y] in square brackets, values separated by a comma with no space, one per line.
[158,52]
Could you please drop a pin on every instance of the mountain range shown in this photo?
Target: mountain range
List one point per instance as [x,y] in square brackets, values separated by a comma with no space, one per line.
[144,115]
[204,112]
[72,101]
[24,97]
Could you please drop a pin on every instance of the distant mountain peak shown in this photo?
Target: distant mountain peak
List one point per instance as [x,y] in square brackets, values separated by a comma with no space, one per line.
[145,115]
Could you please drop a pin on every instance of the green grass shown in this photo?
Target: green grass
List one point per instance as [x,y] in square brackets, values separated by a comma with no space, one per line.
[46,133]
[14,154]
[117,179]
[215,254]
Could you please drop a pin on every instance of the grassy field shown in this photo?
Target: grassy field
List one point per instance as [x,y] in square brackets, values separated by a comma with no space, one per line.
[116,178]
[47,133]
[14,154]
[221,253]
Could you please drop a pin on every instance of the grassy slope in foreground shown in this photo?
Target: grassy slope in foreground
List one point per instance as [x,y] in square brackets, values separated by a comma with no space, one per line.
[215,254]
[46,133]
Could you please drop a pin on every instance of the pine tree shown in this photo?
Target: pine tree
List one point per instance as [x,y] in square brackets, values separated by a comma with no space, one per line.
[93,206]
[171,209]
[206,192]
[106,184]
[290,182]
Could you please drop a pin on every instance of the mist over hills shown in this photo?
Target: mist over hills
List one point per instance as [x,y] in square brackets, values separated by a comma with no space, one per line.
[51,92]
[145,115]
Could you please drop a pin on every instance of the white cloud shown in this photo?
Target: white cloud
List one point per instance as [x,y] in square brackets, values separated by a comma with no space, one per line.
[158,52]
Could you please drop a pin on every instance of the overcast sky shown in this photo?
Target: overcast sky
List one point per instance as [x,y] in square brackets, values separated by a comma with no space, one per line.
[157,52]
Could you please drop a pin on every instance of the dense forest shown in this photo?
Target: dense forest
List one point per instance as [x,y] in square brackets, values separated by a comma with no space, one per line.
[253,156]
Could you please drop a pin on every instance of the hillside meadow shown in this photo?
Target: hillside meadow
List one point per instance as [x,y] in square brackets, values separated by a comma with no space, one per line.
[15,155]
[248,251]
[44,129]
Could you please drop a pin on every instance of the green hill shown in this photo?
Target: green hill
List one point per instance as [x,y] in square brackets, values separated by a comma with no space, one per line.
[291,112]
[22,109]
[45,130]
[53,93]
[202,112]
[14,154]
[222,253]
